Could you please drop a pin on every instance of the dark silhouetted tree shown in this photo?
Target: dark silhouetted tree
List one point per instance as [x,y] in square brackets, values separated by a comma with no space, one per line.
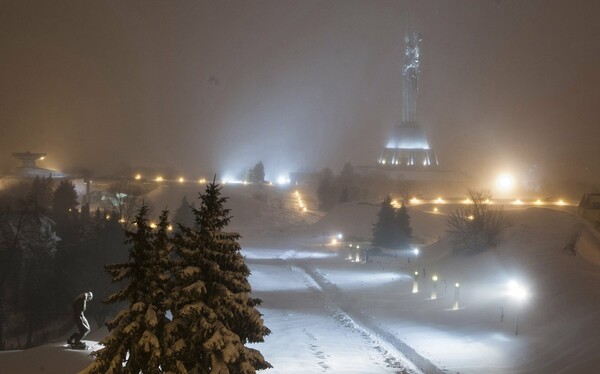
[404,231]
[64,211]
[184,215]
[257,173]
[384,230]
[41,194]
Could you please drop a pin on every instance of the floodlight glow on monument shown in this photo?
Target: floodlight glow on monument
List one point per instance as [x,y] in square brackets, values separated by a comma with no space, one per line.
[408,146]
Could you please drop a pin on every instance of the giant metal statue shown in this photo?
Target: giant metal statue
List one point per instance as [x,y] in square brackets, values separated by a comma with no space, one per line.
[410,74]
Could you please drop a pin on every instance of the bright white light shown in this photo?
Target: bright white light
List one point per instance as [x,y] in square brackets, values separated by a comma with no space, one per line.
[517,291]
[283,180]
[138,177]
[416,251]
[159,179]
[505,182]
[181,180]
[439,200]
[518,202]
[561,202]
[434,278]
[340,236]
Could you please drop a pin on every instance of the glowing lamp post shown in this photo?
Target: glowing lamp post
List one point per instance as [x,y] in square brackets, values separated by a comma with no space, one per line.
[416,282]
[456,296]
[518,293]
[434,280]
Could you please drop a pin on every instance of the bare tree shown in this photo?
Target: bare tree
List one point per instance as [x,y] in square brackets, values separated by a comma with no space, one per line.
[126,199]
[478,225]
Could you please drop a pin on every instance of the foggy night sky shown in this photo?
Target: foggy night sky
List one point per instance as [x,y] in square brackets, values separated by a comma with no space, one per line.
[216,86]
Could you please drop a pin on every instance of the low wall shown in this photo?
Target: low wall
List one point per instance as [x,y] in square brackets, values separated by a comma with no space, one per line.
[588,244]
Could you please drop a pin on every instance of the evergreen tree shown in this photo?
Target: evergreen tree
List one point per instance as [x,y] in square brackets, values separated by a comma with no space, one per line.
[64,210]
[135,343]
[64,199]
[384,230]
[41,194]
[213,313]
[184,214]
[257,173]
[403,229]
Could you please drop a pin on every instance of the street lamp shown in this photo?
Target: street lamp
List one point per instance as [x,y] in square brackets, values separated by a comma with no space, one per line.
[434,287]
[456,296]
[416,282]
[519,293]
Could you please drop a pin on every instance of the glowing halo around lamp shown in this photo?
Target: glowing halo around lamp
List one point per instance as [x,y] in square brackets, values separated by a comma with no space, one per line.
[505,182]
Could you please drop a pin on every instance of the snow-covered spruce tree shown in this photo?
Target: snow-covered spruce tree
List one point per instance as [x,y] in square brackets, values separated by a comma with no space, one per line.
[136,340]
[213,313]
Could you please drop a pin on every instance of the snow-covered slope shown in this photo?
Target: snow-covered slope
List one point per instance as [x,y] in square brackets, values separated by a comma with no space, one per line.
[331,315]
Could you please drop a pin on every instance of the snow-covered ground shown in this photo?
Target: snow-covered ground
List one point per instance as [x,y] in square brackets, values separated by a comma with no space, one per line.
[330,315]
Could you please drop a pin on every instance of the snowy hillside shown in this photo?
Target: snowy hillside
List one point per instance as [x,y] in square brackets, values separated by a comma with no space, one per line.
[331,315]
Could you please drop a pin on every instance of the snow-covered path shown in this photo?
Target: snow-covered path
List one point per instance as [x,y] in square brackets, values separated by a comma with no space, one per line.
[298,301]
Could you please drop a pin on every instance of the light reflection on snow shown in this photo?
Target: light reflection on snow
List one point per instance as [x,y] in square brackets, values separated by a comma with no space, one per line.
[450,349]
[267,278]
[353,278]
[278,254]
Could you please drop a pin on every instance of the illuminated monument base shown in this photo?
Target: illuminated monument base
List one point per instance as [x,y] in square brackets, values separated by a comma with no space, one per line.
[408,149]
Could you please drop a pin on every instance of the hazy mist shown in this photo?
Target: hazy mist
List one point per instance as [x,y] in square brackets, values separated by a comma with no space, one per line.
[216,86]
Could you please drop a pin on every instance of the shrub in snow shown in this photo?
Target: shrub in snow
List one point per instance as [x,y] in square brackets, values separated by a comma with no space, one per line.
[476,226]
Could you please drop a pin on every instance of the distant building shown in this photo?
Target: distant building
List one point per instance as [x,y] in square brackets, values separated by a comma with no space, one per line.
[28,169]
